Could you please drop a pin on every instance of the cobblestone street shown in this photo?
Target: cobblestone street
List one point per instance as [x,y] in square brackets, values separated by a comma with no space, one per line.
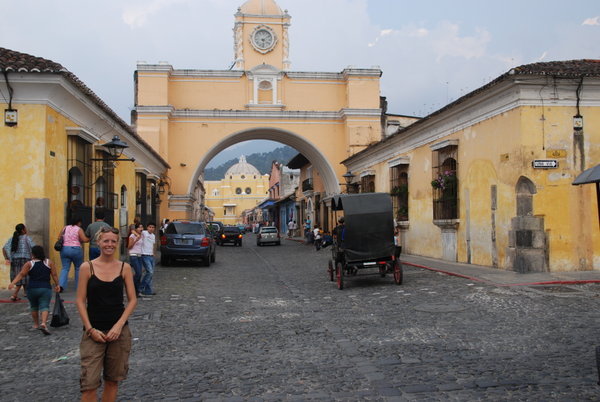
[265,323]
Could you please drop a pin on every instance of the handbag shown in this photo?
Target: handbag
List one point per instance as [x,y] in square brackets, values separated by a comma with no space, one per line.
[59,314]
[59,243]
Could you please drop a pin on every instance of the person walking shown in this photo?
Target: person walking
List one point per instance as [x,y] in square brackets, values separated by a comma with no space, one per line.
[91,231]
[106,340]
[135,255]
[148,241]
[39,290]
[17,251]
[290,228]
[317,237]
[72,251]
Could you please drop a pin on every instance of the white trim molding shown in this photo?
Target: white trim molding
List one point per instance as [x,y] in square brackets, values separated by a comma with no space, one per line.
[443,144]
[403,160]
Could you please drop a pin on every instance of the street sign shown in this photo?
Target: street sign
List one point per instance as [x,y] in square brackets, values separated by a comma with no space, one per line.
[544,164]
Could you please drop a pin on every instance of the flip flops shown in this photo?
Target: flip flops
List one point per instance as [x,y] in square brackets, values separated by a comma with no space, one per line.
[44,330]
[15,298]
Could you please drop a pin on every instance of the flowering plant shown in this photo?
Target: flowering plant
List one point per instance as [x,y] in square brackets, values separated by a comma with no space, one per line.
[444,180]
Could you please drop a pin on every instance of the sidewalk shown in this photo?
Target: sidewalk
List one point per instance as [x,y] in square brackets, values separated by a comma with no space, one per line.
[494,276]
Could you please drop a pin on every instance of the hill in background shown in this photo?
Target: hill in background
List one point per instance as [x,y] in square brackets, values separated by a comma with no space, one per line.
[261,161]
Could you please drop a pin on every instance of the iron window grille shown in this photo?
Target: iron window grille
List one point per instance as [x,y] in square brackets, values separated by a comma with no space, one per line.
[444,183]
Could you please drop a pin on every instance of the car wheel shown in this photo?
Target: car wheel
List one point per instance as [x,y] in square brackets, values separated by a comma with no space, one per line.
[278,243]
[164,261]
[240,244]
[213,256]
[206,261]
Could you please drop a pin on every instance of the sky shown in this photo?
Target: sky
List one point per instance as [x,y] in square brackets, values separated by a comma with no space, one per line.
[431,52]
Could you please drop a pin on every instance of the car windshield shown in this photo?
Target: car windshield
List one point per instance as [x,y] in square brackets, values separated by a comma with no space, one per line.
[268,230]
[185,228]
[231,230]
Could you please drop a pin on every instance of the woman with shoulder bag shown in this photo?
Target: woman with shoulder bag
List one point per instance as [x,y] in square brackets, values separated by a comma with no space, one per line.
[72,251]
[17,251]
[106,340]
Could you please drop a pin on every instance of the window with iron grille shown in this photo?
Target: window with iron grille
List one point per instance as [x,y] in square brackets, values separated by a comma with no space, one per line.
[444,183]
[105,196]
[367,184]
[79,166]
[399,191]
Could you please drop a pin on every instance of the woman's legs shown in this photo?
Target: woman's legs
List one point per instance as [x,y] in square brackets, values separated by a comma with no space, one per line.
[77,261]
[136,264]
[65,260]
[36,321]
[70,255]
[110,391]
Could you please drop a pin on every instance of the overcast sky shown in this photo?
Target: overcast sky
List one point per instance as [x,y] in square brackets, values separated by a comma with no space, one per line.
[431,52]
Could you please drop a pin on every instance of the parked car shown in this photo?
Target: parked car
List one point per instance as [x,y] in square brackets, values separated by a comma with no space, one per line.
[216,228]
[268,234]
[231,234]
[187,239]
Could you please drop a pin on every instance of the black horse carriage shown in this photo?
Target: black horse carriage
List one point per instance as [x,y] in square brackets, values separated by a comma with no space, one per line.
[365,241]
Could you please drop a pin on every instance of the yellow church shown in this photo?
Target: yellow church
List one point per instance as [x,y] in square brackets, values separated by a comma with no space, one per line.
[242,188]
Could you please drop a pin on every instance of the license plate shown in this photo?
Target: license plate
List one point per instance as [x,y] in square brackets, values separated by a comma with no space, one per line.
[369,263]
[183,242]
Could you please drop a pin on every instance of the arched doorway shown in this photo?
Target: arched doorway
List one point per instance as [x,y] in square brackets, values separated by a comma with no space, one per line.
[527,248]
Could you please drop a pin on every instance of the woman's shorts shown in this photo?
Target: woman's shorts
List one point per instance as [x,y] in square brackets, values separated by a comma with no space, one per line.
[39,299]
[110,359]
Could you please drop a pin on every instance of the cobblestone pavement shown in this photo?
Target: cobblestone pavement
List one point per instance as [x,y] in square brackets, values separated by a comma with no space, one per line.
[265,323]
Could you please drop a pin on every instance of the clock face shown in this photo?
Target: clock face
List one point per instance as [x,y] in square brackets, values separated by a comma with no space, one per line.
[263,39]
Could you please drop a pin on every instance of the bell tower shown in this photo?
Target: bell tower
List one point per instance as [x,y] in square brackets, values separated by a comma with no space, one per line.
[260,35]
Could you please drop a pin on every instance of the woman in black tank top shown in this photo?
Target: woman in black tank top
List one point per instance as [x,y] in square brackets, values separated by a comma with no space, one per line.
[106,340]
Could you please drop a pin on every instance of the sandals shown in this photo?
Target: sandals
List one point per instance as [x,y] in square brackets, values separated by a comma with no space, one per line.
[44,329]
[15,298]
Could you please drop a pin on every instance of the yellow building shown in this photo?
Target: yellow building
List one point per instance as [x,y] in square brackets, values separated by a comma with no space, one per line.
[54,165]
[242,188]
[487,179]
[188,116]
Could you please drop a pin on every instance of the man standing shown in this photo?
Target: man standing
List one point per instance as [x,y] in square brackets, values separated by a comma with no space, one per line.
[91,231]
[148,240]
[290,228]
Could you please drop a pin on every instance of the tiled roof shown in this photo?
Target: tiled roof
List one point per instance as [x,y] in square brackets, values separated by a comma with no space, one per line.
[559,69]
[569,68]
[17,62]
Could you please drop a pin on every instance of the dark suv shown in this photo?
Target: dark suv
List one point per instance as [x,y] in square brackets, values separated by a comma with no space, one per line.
[187,239]
[231,234]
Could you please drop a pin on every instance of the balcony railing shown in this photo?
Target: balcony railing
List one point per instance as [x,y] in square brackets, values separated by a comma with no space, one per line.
[307,185]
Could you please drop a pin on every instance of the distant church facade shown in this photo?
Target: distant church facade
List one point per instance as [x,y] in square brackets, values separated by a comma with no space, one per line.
[242,188]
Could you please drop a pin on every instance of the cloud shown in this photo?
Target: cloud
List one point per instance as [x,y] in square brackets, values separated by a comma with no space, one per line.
[136,15]
[592,21]
[447,41]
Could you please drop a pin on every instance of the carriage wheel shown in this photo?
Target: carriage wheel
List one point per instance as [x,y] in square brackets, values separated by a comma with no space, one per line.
[330,270]
[397,272]
[339,270]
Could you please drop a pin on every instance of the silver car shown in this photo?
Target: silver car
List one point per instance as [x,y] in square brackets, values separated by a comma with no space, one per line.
[268,234]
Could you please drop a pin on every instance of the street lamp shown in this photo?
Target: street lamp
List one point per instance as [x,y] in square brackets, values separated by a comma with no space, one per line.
[350,186]
[115,150]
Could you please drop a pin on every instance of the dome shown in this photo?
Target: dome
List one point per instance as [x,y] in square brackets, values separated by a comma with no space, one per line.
[242,167]
[261,7]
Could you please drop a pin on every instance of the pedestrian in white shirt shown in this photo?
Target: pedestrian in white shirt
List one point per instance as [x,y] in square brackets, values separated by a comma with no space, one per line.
[148,240]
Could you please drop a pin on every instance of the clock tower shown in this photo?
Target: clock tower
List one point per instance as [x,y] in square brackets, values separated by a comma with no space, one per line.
[261,35]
